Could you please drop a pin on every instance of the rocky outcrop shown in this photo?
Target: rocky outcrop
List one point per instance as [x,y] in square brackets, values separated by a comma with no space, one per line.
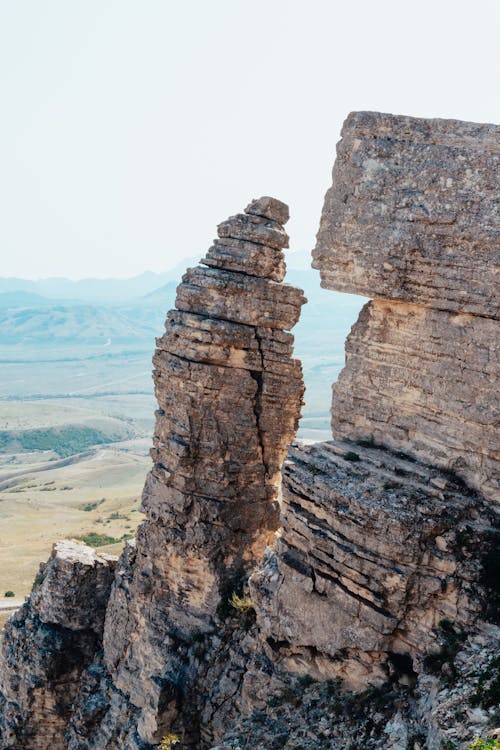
[413,213]
[388,529]
[375,551]
[424,381]
[229,396]
[374,588]
[47,645]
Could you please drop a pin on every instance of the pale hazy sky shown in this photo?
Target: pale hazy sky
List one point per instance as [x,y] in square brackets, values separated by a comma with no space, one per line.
[130,128]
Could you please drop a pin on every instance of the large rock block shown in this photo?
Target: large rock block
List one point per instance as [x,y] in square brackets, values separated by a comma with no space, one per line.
[413,213]
[425,382]
[375,551]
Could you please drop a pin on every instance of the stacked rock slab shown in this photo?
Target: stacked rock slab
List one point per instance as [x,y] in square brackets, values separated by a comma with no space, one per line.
[379,544]
[229,395]
[47,645]
[413,215]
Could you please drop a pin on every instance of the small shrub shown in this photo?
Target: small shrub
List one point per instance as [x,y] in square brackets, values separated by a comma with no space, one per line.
[487,693]
[9,593]
[241,603]
[305,680]
[89,506]
[351,456]
[169,741]
[480,744]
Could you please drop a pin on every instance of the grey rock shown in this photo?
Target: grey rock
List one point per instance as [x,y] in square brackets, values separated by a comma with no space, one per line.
[269,208]
[413,213]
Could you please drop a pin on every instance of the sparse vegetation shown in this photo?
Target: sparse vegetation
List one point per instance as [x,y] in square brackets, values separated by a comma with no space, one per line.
[39,579]
[489,744]
[487,693]
[451,639]
[93,539]
[9,594]
[66,440]
[351,456]
[241,603]
[169,741]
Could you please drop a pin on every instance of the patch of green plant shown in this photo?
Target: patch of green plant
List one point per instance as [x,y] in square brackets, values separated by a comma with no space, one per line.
[66,440]
[451,639]
[241,603]
[39,579]
[487,693]
[351,456]
[9,594]
[93,539]
[479,744]
[305,681]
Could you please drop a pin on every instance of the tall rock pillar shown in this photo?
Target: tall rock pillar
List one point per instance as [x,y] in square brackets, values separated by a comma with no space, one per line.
[229,396]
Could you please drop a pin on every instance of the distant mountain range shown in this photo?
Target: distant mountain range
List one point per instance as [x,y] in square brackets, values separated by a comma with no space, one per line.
[105,291]
[126,310]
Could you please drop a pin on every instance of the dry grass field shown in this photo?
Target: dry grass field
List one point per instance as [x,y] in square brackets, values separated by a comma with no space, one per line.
[99,493]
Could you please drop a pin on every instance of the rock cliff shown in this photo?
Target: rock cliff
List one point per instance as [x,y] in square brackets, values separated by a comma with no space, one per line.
[361,611]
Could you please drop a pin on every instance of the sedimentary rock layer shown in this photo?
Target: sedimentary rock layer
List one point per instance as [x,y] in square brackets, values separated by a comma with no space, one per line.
[375,551]
[229,395]
[413,213]
[426,382]
[47,645]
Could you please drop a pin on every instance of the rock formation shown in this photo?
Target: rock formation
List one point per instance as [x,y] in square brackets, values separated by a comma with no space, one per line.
[372,619]
[413,214]
[229,396]
[49,642]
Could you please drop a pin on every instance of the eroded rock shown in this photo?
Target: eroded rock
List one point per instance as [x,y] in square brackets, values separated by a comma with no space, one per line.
[47,645]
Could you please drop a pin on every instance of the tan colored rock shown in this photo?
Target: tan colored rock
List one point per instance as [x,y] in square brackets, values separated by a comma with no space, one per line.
[413,213]
[269,208]
[360,570]
[425,382]
[229,395]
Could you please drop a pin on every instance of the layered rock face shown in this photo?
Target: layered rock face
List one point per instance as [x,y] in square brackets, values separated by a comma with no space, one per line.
[424,381]
[376,550]
[379,544]
[48,643]
[229,396]
[413,214]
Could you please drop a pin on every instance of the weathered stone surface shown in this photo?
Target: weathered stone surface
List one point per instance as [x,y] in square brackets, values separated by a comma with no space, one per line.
[229,396]
[413,213]
[425,382]
[251,228]
[48,643]
[239,298]
[370,559]
[246,257]
[270,208]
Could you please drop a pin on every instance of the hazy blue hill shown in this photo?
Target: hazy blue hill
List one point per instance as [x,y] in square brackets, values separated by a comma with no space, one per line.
[23,299]
[104,291]
[73,324]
